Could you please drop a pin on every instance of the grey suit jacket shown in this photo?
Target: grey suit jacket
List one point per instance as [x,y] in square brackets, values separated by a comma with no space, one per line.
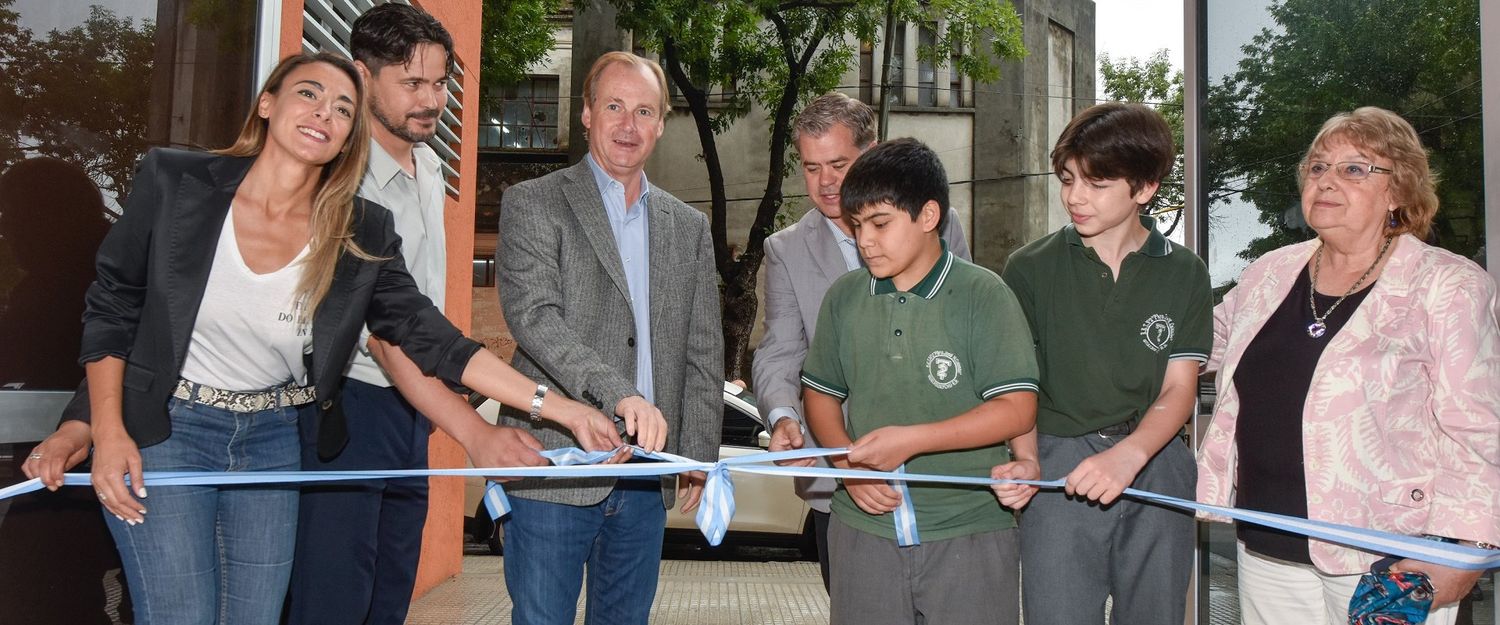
[802,261]
[563,292]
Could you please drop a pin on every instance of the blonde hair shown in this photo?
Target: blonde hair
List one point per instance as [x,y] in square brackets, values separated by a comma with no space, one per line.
[616,57]
[1380,132]
[333,204]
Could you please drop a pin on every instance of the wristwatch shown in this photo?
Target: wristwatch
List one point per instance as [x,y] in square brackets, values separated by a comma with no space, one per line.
[536,403]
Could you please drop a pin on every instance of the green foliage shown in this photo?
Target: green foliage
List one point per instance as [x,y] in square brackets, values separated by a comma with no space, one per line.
[231,19]
[971,25]
[1155,82]
[780,54]
[77,93]
[517,34]
[1419,58]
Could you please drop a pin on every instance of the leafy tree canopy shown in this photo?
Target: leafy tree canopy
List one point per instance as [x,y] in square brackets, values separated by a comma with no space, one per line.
[77,93]
[517,35]
[1419,58]
[1153,81]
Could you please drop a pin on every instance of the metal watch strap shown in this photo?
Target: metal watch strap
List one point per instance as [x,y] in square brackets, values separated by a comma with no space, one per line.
[536,402]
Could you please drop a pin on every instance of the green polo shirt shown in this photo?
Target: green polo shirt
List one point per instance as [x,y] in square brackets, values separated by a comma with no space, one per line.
[1103,344]
[956,339]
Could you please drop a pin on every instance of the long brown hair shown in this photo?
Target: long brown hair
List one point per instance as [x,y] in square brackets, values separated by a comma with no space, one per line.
[331,231]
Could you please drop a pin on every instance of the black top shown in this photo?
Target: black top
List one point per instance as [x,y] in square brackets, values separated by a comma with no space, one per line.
[1272,381]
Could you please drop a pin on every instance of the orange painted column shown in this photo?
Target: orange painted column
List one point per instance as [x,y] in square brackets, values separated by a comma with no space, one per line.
[291,27]
[442,541]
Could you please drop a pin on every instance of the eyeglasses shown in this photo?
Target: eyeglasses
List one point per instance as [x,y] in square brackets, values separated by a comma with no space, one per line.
[1347,170]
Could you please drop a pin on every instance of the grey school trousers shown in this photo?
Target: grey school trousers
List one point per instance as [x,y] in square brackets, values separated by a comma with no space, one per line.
[1074,553]
[960,581]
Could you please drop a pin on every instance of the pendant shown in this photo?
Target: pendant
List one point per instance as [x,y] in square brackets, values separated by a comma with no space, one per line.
[1316,329]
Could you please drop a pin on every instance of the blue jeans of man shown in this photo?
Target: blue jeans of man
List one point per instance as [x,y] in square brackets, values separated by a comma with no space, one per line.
[211,554]
[358,542]
[548,546]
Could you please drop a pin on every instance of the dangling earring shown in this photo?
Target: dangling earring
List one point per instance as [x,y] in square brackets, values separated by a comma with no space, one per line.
[1393,223]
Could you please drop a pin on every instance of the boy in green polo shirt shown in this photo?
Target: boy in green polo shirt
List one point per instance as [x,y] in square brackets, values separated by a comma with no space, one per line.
[933,356]
[1123,320]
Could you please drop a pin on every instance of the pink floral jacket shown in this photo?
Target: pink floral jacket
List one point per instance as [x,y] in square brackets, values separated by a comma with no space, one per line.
[1401,426]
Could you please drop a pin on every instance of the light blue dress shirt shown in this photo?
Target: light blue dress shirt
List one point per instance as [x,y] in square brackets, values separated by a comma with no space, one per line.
[847,246]
[628,222]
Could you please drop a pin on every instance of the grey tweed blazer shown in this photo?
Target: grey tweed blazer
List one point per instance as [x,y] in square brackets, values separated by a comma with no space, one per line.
[563,292]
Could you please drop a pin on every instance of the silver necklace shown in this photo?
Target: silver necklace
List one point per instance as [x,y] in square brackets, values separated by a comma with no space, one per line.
[1317,328]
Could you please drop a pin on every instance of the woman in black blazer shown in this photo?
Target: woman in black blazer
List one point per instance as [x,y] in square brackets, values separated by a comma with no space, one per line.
[201,354]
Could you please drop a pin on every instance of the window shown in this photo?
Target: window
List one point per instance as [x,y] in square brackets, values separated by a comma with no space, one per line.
[1275,71]
[520,117]
[896,71]
[90,87]
[936,86]
[484,271]
[926,69]
[1272,72]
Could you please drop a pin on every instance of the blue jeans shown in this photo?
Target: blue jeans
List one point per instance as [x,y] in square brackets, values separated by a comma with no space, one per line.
[548,544]
[208,554]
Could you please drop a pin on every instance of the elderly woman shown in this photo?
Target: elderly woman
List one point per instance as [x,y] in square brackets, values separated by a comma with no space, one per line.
[1359,383]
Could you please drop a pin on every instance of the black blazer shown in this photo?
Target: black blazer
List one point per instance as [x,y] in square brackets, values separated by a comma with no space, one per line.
[154,265]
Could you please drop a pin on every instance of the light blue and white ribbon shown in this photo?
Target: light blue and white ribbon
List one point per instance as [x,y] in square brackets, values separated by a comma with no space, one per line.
[905,514]
[717,506]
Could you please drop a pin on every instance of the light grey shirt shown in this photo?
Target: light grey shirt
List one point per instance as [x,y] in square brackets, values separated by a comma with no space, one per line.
[627,220]
[416,202]
[847,246]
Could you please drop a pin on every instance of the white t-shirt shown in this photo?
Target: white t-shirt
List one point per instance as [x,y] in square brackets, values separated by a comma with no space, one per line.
[248,335]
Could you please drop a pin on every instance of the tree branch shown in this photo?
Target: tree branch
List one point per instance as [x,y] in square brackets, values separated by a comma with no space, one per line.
[697,100]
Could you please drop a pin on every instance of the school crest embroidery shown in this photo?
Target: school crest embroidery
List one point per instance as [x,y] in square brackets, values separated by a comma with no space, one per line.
[1157,332]
[943,369]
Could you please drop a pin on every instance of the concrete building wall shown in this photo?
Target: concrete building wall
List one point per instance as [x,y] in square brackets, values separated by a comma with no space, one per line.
[677,165]
[1020,117]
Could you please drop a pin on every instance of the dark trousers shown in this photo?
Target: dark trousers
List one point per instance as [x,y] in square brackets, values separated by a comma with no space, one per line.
[358,542]
[820,534]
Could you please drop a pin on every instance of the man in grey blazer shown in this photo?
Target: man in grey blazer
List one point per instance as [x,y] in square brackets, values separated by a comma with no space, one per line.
[801,262]
[609,287]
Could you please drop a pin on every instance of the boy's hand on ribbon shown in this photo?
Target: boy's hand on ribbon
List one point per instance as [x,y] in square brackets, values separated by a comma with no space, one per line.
[1102,477]
[884,449]
[1016,496]
[873,496]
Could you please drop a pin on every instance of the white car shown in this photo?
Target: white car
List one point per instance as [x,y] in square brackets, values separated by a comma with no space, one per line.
[767,509]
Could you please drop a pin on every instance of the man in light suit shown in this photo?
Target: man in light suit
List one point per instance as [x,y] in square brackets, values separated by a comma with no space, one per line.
[801,262]
[609,287]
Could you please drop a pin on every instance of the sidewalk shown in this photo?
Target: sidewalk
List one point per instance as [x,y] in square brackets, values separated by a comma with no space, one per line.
[691,592]
[716,592]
